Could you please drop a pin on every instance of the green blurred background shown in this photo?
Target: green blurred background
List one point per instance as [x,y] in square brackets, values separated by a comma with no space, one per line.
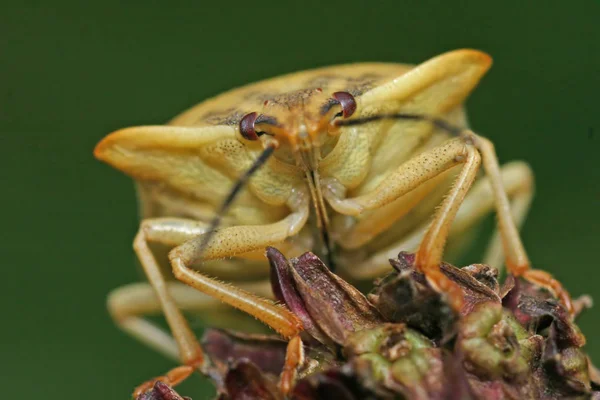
[73,71]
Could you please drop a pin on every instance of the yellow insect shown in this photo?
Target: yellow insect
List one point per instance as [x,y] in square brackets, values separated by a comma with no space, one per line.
[350,162]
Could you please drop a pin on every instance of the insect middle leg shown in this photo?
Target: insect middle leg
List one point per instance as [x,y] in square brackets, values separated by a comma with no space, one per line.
[130,304]
[517,261]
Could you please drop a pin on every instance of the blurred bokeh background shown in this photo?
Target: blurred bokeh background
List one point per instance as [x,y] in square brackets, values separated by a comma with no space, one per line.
[73,71]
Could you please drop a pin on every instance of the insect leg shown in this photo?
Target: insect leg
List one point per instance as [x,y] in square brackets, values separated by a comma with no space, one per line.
[190,352]
[517,261]
[176,231]
[378,264]
[228,242]
[128,305]
[231,241]
[294,358]
[517,179]
[380,220]
[429,255]
[408,177]
[171,378]
[518,182]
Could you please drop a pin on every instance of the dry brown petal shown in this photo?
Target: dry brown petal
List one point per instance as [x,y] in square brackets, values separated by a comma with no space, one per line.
[537,310]
[406,298]
[337,383]
[285,291]
[161,391]
[569,365]
[244,381]
[337,307]
[265,351]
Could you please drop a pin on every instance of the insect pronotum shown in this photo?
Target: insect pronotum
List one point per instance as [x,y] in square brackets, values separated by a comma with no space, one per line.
[350,162]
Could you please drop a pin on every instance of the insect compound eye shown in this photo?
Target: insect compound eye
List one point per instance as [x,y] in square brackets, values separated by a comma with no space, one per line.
[247,126]
[347,102]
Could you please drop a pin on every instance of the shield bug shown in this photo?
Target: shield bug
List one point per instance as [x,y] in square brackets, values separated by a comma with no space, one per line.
[353,162]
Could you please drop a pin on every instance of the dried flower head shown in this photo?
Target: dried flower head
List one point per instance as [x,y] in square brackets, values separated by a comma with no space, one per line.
[403,340]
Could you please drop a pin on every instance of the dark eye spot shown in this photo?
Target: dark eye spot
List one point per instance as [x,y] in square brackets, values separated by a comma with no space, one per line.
[347,102]
[247,126]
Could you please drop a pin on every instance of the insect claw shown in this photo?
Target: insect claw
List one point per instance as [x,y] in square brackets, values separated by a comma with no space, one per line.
[171,378]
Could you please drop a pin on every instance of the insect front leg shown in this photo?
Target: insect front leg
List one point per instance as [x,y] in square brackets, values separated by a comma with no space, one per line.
[231,241]
[430,253]
[468,149]
[294,358]
[172,378]
[517,179]
[384,218]
[411,175]
[173,231]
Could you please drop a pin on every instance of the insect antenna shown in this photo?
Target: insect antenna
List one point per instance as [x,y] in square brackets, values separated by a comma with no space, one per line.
[435,121]
[235,190]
